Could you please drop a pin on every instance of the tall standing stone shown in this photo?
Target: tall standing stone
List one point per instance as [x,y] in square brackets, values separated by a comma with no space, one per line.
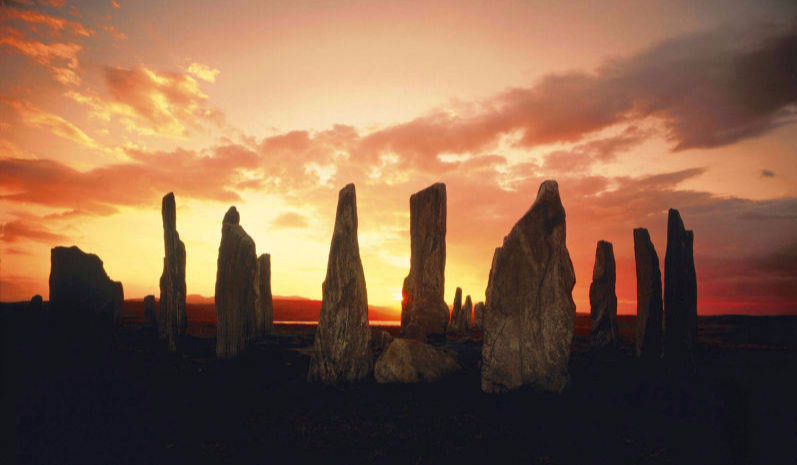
[680,296]
[342,350]
[478,316]
[235,288]
[455,324]
[84,302]
[172,321]
[424,312]
[150,317]
[603,298]
[530,313]
[263,302]
[648,297]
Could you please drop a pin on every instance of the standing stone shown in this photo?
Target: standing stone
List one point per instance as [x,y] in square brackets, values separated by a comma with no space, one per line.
[455,324]
[530,313]
[680,296]
[172,319]
[603,299]
[342,351]
[84,302]
[424,312]
[263,302]
[478,317]
[235,288]
[648,297]
[150,318]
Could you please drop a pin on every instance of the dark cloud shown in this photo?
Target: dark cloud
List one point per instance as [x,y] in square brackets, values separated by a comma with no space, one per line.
[767,174]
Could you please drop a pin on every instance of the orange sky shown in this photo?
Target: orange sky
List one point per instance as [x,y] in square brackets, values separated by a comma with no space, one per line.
[634,107]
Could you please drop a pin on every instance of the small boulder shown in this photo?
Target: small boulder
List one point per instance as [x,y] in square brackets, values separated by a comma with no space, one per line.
[411,361]
[150,318]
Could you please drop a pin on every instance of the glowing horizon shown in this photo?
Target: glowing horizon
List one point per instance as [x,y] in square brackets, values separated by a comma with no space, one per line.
[273,107]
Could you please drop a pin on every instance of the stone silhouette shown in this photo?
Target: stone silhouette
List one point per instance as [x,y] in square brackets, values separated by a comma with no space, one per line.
[172,319]
[36,303]
[424,312]
[602,298]
[467,313]
[457,325]
[342,351]
[680,296]
[648,297]
[411,361]
[84,301]
[150,317]
[478,317]
[530,313]
[235,288]
[264,318]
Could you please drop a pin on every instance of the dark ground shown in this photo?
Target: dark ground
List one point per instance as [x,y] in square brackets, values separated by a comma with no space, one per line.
[139,404]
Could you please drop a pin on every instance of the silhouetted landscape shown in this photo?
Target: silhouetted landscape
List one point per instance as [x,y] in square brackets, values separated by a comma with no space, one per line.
[142,405]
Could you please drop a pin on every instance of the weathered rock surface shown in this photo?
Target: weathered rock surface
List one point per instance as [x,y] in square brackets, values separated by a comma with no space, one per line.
[467,313]
[172,319]
[603,299]
[530,310]
[235,288]
[264,304]
[342,351]
[424,312]
[478,317]
[411,361]
[83,299]
[457,324]
[380,339]
[150,317]
[648,297]
[680,296]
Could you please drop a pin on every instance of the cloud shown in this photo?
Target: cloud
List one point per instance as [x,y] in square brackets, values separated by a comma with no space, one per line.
[115,33]
[767,174]
[582,156]
[38,118]
[115,4]
[56,24]
[289,220]
[708,89]
[19,229]
[203,72]
[172,103]
[142,182]
[59,58]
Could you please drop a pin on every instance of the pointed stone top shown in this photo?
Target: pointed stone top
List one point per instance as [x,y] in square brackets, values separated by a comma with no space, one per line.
[458,291]
[548,192]
[232,216]
[346,214]
[605,245]
[169,212]
[674,221]
[468,302]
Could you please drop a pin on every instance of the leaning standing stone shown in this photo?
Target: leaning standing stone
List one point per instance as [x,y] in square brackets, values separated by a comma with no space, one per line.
[342,351]
[603,299]
[530,312]
[648,297]
[235,288]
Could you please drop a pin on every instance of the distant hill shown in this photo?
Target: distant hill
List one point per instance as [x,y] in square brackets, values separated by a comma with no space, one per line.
[293,308]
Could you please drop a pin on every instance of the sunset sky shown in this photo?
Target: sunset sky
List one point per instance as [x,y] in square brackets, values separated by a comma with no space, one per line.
[633,107]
